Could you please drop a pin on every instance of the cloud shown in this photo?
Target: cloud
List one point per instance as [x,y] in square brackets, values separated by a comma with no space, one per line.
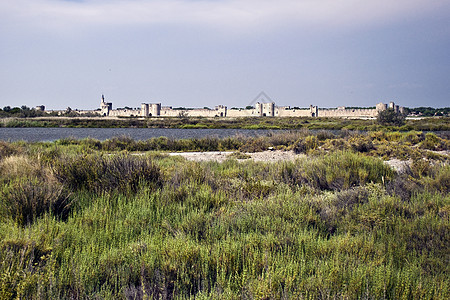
[232,15]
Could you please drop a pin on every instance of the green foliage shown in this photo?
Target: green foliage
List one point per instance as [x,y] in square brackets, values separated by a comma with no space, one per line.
[20,112]
[306,144]
[433,142]
[287,123]
[29,190]
[239,155]
[339,225]
[7,149]
[390,117]
[255,145]
[24,200]
[429,111]
[98,173]
[337,171]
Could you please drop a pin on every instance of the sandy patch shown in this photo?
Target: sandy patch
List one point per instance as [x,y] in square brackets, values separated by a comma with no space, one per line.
[399,165]
[269,156]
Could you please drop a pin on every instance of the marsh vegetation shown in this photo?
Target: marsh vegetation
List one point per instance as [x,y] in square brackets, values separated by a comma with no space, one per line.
[120,219]
[183,122]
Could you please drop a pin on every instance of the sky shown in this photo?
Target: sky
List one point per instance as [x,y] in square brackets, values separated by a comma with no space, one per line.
[197,53]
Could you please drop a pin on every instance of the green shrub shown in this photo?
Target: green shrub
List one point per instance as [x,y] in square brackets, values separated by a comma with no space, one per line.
[23,167]
[231,143]
[99,173]
[206,144]
[337,144]
[255,145]
[25,200]
[323,135]
[439,178]
[361,144]
[413,137]
[23,262]
[336,171]
[118,143]
[304,145]
[239,155]
[433,142]
[332,212]
[403,187]
[314,228]
[390,117]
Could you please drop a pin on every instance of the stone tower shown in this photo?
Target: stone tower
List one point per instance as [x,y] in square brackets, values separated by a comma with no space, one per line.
[105,107]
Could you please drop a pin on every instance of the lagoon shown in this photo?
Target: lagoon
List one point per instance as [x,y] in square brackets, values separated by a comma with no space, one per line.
[38,134]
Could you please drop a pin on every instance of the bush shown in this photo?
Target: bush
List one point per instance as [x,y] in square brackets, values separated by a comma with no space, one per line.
[118,143]
[304,145]
[25,200]
[337,171]
[14,167]
[255,145]
[433,142]
[323,135]
[361,144]
[390,117]
[341,204]
[6,149]
[206,144]
[402,187]
[99,173]
[413,137]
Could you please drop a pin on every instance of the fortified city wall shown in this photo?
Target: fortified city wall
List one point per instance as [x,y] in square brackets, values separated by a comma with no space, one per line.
[259,110]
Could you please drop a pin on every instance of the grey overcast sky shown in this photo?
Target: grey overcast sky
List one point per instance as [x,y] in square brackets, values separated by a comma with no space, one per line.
[198,53]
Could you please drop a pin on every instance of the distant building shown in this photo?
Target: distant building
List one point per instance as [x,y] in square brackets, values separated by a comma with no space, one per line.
[259,110]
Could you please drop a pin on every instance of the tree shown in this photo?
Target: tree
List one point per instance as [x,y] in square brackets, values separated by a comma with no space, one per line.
[390,117]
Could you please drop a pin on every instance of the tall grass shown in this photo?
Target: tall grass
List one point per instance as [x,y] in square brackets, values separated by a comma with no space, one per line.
[332,226]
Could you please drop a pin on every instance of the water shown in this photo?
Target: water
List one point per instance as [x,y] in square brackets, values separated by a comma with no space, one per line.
[52,134]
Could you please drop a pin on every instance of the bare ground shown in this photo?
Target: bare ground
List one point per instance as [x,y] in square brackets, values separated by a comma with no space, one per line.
[269,156]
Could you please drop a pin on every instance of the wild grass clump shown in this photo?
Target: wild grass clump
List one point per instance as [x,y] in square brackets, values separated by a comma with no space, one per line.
[433,142]
[20,166]
[337,171]
[361,144]
[101,173]
[413,137]
[306,144]
[7,149]
[255,145]
[239,155]
[25,200]
[29,190]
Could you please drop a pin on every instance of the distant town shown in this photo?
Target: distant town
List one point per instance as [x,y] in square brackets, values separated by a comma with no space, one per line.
[259,109]
[269,109]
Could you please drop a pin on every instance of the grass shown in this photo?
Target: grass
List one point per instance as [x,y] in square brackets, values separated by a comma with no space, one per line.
[337,224]
[425,124]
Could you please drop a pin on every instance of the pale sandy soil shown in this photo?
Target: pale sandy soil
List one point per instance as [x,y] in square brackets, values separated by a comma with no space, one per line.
[269,156]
